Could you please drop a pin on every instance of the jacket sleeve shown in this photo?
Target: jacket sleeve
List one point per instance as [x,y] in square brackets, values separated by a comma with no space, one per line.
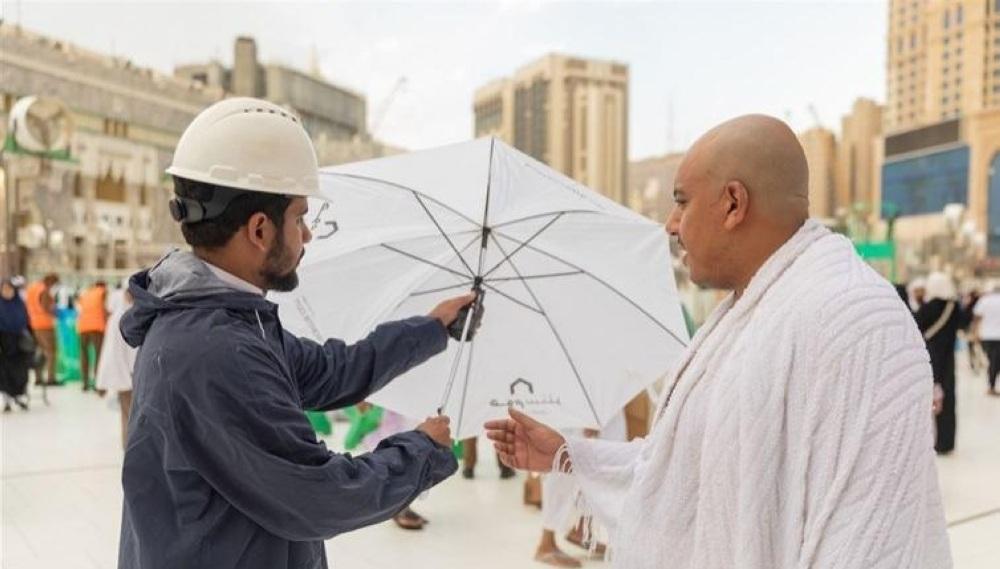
[244,433]
[336,375]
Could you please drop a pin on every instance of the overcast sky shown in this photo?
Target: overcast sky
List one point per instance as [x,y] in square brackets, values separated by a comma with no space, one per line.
[707,61]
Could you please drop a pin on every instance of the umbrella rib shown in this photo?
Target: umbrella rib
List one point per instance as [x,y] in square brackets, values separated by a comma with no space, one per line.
[425,261]
[555,333]
[540,215]
[442,289]
[465,385]
[512,299]
[603,283]
[405,188]
[443,234]
[530,277]
[523,245]
[486,211]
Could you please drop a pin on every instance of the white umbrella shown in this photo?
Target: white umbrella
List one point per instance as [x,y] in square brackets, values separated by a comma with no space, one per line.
[581,308]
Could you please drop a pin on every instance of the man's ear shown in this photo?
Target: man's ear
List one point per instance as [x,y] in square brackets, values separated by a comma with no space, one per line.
[736,198]
[260,231]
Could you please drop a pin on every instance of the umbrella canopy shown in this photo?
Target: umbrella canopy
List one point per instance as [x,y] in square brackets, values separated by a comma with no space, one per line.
[581,307]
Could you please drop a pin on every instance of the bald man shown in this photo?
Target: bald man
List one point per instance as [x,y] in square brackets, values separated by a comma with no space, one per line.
[796,431]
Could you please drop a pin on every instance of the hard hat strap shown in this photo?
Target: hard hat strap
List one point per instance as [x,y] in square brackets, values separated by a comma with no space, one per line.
[189,210]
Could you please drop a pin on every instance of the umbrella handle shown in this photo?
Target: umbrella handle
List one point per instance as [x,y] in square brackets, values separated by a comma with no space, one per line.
[470,316]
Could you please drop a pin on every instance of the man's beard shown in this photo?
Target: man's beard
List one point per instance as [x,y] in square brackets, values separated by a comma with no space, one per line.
[279,267]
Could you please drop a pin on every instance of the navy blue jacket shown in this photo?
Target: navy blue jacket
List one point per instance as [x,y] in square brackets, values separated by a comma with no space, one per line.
[222,468]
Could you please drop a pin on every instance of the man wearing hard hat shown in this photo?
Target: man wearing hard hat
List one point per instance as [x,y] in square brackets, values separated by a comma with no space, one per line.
[222,469]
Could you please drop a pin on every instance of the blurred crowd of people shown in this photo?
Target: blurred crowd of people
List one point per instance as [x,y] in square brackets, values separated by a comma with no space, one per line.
[951,318]
[60,334]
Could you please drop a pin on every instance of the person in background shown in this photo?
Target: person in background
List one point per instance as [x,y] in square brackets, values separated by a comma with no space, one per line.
[470,457]
[917,291]
[41,316]
[90,324]
[117,359]
[986,329]
[16,346]
[939,319]
[975,348]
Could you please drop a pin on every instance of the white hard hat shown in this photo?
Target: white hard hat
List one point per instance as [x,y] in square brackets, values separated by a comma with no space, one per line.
[248,144]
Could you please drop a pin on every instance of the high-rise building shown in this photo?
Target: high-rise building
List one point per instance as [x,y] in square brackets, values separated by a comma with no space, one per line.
[568,112]
[857,154]
[942,120]
[651,185]
[820,147]
[943,60]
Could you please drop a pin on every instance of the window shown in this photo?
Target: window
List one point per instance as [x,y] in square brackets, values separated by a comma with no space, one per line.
[947,20]
[927,183]
[958,14]
[913,41]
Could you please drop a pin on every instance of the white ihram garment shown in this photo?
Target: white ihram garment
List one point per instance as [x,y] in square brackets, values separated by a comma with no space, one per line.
[797,433]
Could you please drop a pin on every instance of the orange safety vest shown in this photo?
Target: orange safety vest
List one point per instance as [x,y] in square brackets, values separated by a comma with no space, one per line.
[92,317]
[40,318]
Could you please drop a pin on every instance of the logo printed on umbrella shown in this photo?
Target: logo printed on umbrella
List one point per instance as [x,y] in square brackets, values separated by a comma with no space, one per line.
[527,400]
[524,382]
[330,225]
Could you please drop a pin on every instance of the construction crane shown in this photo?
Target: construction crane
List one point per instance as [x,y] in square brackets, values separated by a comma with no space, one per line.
[383,109]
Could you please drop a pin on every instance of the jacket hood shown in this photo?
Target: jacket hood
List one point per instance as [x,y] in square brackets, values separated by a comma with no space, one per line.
[180,281]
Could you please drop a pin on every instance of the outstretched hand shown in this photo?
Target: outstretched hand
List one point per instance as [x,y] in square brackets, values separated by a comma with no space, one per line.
[523,442]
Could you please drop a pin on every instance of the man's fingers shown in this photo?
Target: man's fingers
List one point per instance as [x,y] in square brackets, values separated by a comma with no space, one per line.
[466,298]
[507,459]
[521,418]
[498,425]
[500,436]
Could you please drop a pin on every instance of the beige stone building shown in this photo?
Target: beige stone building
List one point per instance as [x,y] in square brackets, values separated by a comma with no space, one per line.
[857,154]
[329,112]
[820,146]
[103,213]
[651,185]
[568,112]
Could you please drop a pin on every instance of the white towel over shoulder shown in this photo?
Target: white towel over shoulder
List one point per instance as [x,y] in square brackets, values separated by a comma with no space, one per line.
[797,433]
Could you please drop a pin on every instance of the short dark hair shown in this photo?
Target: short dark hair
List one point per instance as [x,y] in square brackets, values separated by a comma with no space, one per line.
[216,232]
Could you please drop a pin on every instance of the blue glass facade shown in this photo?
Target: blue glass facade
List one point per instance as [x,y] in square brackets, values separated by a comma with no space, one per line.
[927,183]
[993,208]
